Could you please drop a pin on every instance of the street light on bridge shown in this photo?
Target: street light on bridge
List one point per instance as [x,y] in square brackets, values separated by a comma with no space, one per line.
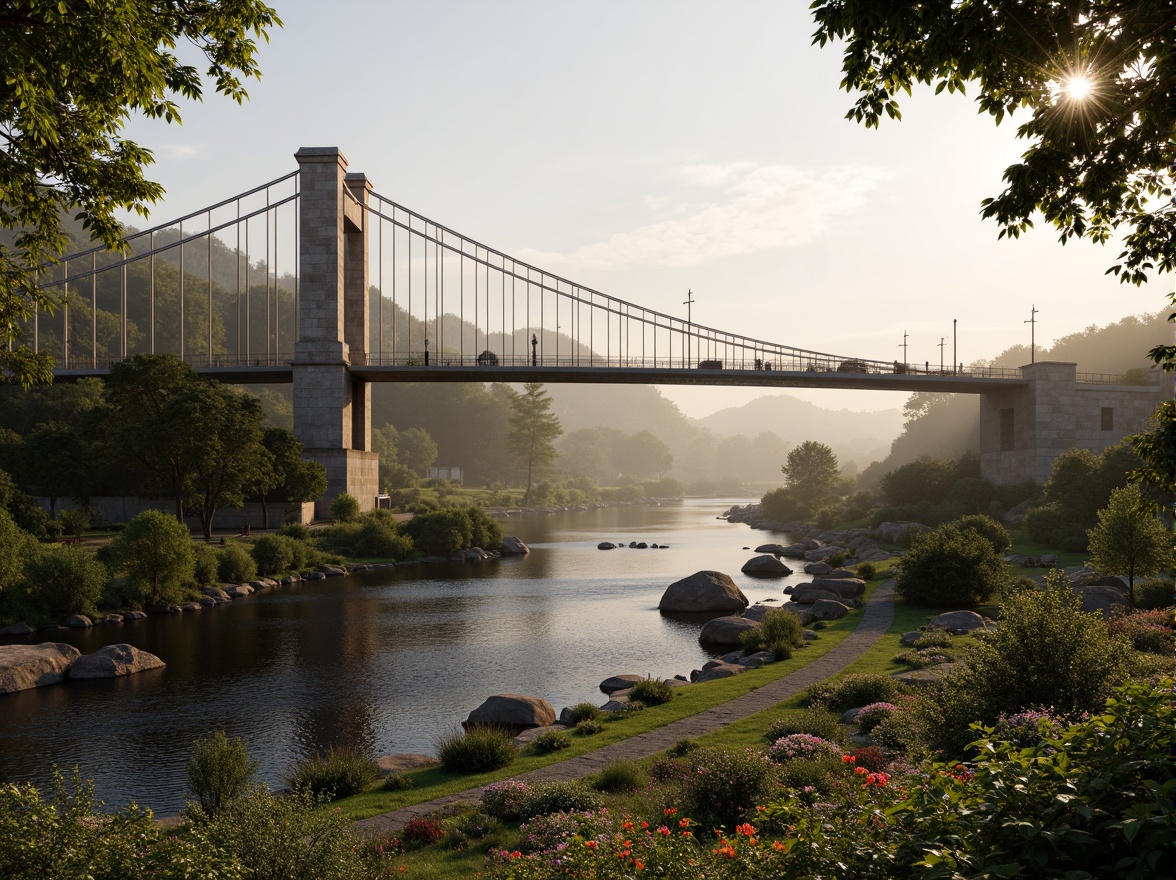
[426,352]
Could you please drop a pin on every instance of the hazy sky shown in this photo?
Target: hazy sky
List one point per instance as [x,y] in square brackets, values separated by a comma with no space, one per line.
[650,146]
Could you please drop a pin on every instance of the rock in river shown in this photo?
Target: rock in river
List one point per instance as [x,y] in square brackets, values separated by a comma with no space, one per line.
[703,591]
[29,666]
[113,661]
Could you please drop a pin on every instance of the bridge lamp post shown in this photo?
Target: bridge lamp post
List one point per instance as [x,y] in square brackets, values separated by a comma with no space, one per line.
[1032,322]
[426,351]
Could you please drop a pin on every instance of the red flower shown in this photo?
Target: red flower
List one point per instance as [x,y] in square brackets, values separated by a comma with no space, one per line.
[669,811]
[663,831]
[683,823]
[848,759]
[746,829]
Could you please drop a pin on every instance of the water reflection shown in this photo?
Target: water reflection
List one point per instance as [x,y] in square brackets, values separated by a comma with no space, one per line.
[385,659]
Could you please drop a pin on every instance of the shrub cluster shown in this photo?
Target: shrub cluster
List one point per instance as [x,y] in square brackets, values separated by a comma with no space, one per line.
[816,722]
[949,567]
[558,797]
[723,786]
[779,632]
[583,712]
[480,749]
[552,741]
[446,531]
[219,771]
[854,691]
[802,746]
[504,800]
[375,533]
[651,692]
[333,774]
[621,776]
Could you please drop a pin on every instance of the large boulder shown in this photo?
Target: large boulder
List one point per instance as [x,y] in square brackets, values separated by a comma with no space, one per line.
[766,566]
[828,609]
[113,661]
[513,546]
[723,670]
[703,591]
[807,594]
[776,549]
[620,682]
[960,622]
[818,568]
[1102,597]
[513,711]
[820,554]
[29,666]
[846,587]
[726,630]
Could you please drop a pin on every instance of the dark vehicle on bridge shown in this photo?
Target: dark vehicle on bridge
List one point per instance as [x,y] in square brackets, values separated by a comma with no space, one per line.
[710,365]
[487,359]
[853,366]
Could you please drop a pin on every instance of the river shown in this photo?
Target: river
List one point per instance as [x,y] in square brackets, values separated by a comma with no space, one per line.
[384,659]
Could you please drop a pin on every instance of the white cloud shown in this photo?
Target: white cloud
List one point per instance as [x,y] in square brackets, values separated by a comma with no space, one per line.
[180,151]
[726,210]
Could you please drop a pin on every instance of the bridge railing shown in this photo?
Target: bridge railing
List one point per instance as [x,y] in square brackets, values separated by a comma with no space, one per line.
[201,361]
[1131,377]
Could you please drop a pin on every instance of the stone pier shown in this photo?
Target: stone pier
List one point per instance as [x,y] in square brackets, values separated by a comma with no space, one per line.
[332,409]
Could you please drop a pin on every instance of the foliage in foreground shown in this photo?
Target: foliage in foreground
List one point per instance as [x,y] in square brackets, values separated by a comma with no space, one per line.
[949,567]
[1089,800]
[480,749]
[334,774]
[219,771]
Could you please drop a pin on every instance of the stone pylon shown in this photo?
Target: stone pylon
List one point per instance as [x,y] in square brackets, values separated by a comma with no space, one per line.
[332,408]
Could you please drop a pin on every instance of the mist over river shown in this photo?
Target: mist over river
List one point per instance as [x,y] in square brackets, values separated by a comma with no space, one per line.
[383,659]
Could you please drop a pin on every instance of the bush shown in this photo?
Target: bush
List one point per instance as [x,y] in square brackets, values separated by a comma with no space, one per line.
[478,750]
[621,776]
[779,632]
[333,774]
[345,508]
[583,712]
[987,528]
[949,567]
[423,831]
[65,580]
[1154,593]
[397,782]
[870,757]
[867,571]
[589,727]
[1046,652]
[207,564]
[862,689]
[553,832]
[803,746]
[275,554]
[1148,631]
[816,722]
[218,771]
[873,715]
[821,775]
[651,692]
[155,552]
[559,797]
[75,521]
[552,741]
[1048,525]
[723,786]
[474,826]
[61,836]
[287,838]
[235,565]
[296,530]
[445,532]
[504,800]
[1028,728]
[934,638]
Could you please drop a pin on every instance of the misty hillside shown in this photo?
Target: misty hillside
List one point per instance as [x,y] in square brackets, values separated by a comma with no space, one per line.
[946,426]
[798,420]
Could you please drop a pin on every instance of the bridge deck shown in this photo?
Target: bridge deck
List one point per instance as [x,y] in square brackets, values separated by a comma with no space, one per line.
[906,382]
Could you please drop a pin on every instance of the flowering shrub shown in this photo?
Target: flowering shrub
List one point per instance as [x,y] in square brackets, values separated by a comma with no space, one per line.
[1148,631]
[802,745]
[923,657]
[818,722]
[669,770]
[550,833]
[552,741]
[861,690]
[723,786]
[588,727]
[558,797]
[873,715]
[423,832]
[870,757]
[1027,728]
[934,638]
[504,800]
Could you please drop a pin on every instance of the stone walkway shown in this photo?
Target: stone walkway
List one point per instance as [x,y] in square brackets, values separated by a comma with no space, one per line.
[875,621]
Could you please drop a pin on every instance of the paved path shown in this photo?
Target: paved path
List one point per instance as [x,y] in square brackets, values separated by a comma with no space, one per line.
[876,620]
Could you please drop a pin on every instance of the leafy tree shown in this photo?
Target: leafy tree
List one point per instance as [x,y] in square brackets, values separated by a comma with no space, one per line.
[1094,76]
[1130,539]
[148,420]
[532,432]
[74,74]
[1157,450]
[288,476]
[155,551]
[643,455]
[219,771]
[231,453]
[16,546]
[416,450]
[65,580]
[811,472]
[950,566]
[987,528]
[56,462]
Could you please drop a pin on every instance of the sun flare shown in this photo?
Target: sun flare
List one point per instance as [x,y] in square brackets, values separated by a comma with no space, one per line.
[1078,88]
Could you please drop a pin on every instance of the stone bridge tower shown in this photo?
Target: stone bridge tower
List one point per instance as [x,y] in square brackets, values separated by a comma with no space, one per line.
[332,409]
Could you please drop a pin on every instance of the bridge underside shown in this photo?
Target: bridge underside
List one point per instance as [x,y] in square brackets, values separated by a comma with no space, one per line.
[908,383]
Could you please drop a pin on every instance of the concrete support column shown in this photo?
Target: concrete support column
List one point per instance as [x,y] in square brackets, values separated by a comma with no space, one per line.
[1023,430]
[331,407]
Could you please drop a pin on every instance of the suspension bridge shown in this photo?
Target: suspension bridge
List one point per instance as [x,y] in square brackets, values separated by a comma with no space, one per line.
[316,279]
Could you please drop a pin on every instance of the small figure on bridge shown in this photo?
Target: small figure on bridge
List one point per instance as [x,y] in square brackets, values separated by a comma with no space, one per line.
[534,355]
[759,363]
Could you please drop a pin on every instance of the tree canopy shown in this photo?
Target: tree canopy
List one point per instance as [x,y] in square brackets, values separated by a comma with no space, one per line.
[74,72]
[1094,76]
[533,431]
[1130,539]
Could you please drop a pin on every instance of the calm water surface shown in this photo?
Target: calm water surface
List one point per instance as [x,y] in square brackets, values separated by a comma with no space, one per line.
[384,659]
